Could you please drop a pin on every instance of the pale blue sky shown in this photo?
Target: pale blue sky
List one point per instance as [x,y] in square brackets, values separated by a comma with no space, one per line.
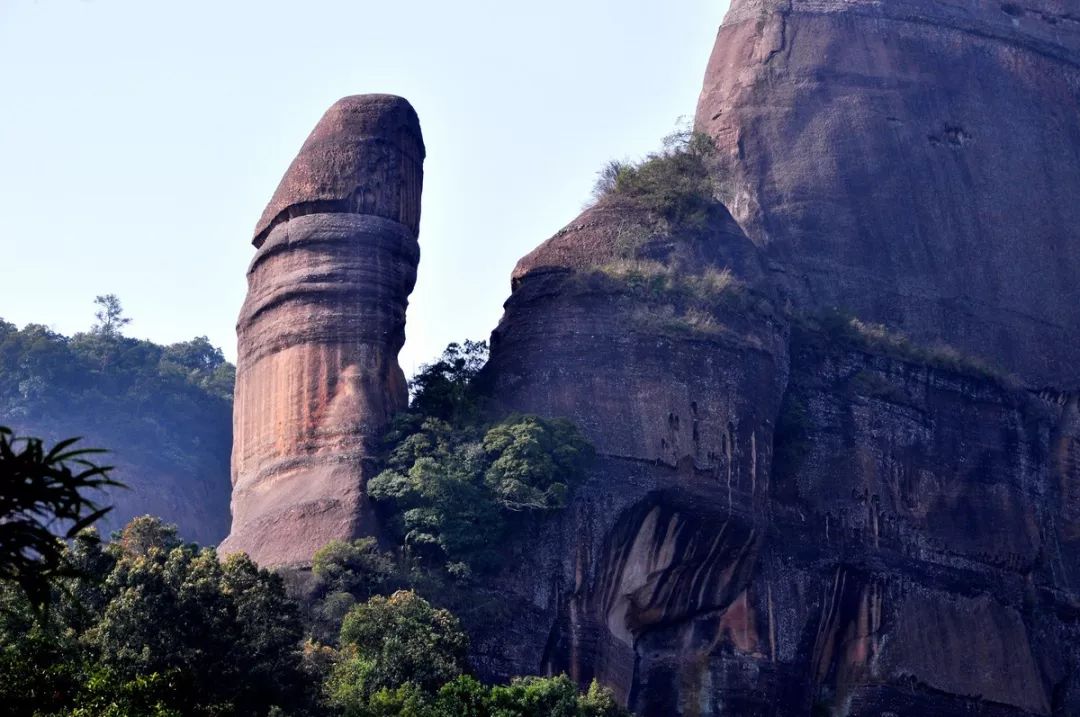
[140,141]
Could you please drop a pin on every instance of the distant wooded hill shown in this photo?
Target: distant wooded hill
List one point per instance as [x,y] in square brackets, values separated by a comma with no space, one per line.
[163,412]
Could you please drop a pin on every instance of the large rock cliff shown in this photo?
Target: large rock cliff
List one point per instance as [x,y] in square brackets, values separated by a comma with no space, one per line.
[319,333]
[794,513]
[786,519]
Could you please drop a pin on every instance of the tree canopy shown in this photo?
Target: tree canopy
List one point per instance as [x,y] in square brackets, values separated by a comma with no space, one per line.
[455,482]
[151,625]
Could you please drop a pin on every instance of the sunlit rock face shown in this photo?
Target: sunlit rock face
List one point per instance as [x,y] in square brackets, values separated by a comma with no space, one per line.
[320,330]
[914,162]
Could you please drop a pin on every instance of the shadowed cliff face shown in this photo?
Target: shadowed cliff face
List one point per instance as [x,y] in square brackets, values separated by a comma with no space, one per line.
[784,520]
[915,162]
[875,535]
[320,330]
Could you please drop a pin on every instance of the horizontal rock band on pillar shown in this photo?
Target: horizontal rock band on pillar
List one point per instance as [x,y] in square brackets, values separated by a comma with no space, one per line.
[320,331]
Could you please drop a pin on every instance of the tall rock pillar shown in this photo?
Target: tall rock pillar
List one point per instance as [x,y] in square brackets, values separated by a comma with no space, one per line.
[320,330]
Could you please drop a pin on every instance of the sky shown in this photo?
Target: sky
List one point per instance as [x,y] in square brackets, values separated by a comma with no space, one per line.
[140,141]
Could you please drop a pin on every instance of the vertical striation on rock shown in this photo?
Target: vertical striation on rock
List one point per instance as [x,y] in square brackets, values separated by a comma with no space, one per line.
[320,331]
[661,342]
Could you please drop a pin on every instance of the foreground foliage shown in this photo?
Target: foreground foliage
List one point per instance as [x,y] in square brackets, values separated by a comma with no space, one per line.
[149,625]
[466,697]
[45,494]
[153,626]
[400,656]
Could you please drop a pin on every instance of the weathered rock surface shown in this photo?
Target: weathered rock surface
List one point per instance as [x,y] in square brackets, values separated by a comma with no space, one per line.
[677,393]
[365,156]
[320,330]
[864,534]
[916,162]
[784,520]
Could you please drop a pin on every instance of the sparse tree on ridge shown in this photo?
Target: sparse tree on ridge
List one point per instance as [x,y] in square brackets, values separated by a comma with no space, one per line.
[110,316]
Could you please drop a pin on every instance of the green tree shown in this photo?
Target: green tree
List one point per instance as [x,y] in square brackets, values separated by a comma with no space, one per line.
[552,697]
[357,567]
[533,462]
[346,572]
[452,481]
[464,696]
[153,626]
[110,316]
[445,389]
[223,633]
[451,490]
[40,661]
[201,364]
[395,651]
[404,639]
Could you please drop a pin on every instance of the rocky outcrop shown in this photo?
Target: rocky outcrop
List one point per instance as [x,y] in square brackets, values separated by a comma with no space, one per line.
[786,518]
[913,162]
[319,333]
[676,386]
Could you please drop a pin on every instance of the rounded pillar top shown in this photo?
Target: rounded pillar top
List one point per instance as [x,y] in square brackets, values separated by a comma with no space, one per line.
[365,156]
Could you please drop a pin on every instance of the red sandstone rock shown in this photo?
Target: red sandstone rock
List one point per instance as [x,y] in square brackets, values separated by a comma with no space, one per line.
[365,156]
[319,333]
[914,162]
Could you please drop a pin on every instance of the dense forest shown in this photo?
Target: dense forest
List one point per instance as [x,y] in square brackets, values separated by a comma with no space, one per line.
[164,412]
[149,624]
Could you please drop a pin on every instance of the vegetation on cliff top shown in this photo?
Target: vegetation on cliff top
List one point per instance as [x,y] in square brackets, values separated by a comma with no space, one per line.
[659,251]
[840,328]
[675,185]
